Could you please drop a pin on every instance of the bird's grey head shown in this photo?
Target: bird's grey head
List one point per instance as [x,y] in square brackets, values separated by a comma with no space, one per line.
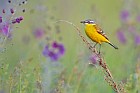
[89,21]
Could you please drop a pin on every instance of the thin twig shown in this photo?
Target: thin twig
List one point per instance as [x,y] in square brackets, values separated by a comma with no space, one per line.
[108,76]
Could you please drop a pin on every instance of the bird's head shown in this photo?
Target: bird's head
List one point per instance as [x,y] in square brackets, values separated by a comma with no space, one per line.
[88,21]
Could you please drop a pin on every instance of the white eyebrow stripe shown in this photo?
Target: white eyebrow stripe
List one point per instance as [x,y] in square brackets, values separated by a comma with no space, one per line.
[92,22]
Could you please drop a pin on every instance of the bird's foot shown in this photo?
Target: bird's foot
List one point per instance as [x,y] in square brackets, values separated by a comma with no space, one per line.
[99,53]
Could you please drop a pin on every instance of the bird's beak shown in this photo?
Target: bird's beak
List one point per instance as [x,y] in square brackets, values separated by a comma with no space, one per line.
[82,22]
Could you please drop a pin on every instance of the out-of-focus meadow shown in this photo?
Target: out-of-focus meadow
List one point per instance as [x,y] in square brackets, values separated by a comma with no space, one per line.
[38,55]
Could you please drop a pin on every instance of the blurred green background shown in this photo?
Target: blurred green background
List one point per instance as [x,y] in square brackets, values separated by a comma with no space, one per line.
[25,70]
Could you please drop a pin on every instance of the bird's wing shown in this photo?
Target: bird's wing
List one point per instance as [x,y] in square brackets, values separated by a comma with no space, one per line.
[100,31]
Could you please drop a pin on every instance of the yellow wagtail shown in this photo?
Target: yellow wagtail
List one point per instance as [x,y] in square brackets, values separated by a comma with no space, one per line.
[95,33]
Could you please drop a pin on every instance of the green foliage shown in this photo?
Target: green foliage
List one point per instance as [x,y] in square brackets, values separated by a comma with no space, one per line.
[24,69]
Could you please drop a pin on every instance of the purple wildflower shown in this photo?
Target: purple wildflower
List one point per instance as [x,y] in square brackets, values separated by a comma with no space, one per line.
[132,29]
[3,11]
[54,45]
[17,20]
[94,59]
[124,15]
[61,49]
[54,52]
[0,19]
[53,56]
[45,51]
[137,40]
[121,37]
[5,29]
[6,20]
[20,19]
[138,18]
[12,11]
[49,53]
[38,33]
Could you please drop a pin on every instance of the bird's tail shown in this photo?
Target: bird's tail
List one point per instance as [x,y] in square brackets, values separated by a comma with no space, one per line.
[113,45]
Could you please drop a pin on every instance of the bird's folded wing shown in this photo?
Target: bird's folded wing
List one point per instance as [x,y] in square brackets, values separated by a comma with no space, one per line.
[100,31]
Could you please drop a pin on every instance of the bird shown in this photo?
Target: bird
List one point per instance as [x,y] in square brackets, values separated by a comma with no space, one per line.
[95,33]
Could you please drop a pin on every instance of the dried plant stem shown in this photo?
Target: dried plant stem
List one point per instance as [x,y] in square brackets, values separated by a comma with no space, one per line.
[108,76]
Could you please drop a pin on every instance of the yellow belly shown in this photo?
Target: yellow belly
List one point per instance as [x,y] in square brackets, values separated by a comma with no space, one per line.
[94,35]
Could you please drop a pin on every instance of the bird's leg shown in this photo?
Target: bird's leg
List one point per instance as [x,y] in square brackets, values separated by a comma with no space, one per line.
[95,45]
[92,46]
[99,48]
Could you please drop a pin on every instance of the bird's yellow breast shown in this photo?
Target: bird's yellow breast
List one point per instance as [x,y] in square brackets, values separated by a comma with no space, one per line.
[92,33]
